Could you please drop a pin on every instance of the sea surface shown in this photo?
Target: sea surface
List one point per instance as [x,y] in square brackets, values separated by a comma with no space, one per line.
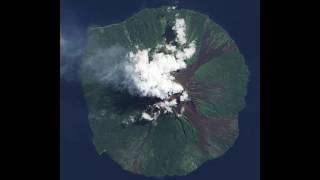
[78,158]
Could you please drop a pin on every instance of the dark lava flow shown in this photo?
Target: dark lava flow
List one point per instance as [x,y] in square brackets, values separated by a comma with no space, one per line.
[203,125]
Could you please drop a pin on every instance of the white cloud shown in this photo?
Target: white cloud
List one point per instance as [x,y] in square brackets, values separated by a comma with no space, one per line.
[169,9]
[153,79]
[180,28]
[184,97]
[146,116]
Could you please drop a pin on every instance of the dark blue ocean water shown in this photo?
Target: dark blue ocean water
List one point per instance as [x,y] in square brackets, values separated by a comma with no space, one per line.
[78,158]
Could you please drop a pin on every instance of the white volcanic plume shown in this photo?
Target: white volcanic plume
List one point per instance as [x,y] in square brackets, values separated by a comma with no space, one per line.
[153,78]
[151,73]
[180,28]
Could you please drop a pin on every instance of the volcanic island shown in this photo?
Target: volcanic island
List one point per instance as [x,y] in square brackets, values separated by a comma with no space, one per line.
[164,89]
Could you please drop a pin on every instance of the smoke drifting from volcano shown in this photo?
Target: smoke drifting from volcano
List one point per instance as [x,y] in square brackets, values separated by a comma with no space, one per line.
[143,73]
[72,45]
[146,72]
[154,78]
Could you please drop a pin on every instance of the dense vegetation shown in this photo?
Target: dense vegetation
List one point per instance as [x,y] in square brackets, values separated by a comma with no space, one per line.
[175,146]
